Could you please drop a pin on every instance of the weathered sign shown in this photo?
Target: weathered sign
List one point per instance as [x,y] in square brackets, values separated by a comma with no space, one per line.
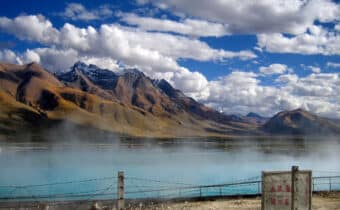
[286,190]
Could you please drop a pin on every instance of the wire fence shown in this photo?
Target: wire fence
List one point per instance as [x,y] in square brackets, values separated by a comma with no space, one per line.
[105,188]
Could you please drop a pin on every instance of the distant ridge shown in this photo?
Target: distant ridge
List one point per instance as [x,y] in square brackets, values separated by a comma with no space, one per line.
[256,118]
[301,122]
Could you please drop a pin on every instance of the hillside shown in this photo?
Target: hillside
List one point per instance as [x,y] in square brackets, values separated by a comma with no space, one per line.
[300,122]
[127,103]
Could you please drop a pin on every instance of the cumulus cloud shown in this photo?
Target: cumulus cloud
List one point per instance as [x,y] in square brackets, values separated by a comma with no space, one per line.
[50,58]
[314,69]
[270,20]
[264,16]
[287,78]
[8,56]
[102,62]
[275,68]
[76,11]
[53,59]
[193,84]
[116,39]
[188,26]
[154,53]
[248,96]
[317,92]
[168,45]
[316,40]
[30,27]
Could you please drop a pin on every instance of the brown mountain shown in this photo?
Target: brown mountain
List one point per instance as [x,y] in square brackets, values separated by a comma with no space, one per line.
[126,103]
[157,97]
[300,122]
[130,103]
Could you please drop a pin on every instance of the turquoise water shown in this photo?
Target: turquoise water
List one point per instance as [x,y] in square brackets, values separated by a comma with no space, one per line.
[150,165]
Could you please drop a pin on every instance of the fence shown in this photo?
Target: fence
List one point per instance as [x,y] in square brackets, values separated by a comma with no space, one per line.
[105,188]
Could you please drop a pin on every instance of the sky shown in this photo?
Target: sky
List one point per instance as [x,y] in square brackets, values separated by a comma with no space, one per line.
[260,56]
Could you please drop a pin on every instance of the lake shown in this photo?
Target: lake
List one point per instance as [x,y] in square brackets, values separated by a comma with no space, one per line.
[74,168]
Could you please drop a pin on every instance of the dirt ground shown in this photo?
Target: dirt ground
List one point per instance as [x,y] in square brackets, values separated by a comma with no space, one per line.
[325,201]
[320,201]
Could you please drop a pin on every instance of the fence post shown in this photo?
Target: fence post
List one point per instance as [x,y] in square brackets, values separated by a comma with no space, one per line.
[295,170]
[262,191]
[120,200]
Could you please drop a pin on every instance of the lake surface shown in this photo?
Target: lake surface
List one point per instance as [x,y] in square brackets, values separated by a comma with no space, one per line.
[151,164]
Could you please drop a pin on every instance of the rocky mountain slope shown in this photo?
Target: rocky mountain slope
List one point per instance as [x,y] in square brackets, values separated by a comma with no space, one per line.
[300,122]
[125,103]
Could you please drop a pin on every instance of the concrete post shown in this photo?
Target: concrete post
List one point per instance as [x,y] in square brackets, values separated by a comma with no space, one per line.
[120,199]
[295,170]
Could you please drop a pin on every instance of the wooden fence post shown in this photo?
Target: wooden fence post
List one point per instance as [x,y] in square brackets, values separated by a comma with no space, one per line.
[120,199]
[295,170]
[262,191]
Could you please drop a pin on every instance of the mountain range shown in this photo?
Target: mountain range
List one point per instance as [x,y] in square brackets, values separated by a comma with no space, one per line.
[127,103]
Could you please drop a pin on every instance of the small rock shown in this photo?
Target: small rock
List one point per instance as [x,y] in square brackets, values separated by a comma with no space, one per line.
[95,206]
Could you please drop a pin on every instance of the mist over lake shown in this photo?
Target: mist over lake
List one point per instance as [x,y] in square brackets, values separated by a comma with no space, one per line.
[189,161]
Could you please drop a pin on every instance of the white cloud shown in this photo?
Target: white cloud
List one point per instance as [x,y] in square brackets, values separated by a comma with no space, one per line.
[76,11]
[168,45]
[30,56]
[193,84]
[321,86]
[263,16]
[102,62]
[287,78]
[50,58]
[314,69]
[275,68]
[333,65]
[248,96]
[30,27]
[127,40]
[317,92]
[316,41]
[155,53]
[56,59]
[188,26]
[337,27]
[8,56]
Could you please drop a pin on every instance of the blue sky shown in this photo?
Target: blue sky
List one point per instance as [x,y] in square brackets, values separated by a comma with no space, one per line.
[261,56]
